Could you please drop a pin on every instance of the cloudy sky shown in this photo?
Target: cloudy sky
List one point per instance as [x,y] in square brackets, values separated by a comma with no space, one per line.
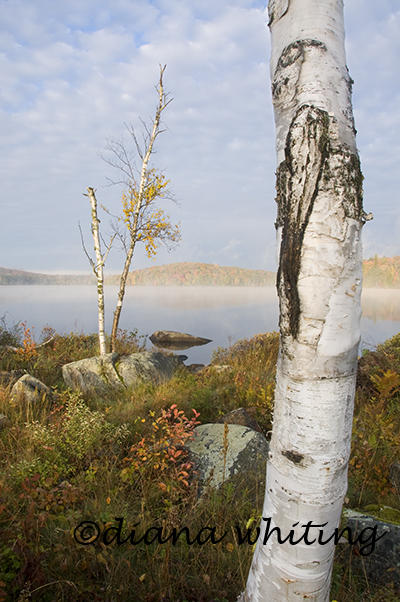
[73,72]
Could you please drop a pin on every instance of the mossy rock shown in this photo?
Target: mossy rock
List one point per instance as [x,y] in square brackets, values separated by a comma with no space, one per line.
[383,513]
[31,390]
[379,560]
[113,371]
[221,452]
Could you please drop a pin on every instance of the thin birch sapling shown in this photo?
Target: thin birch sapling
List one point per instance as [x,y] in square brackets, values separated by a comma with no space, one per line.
[98,265]
[142,220]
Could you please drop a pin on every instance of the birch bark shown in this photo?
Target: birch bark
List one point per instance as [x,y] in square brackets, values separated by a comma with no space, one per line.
[319,197]
[98,266]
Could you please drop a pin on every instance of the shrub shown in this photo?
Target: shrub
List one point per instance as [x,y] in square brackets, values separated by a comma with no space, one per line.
[10,336]
[251,380]
[62,448]
[159,456]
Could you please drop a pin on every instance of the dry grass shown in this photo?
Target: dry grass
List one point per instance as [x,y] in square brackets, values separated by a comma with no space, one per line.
[96,460]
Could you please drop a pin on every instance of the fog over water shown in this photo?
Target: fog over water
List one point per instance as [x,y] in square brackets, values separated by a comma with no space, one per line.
[223,314]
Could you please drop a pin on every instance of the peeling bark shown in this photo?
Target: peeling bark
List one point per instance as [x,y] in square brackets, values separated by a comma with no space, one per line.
[297,186]
[309,158]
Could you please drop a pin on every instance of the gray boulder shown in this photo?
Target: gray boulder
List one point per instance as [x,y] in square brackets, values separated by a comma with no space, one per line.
[99,374]
[92,373]
[31,390]
[9,378]
[148,366]
[219,452]
[381,560]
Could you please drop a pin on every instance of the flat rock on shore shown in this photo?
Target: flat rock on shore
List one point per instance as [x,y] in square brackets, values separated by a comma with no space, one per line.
[172,339]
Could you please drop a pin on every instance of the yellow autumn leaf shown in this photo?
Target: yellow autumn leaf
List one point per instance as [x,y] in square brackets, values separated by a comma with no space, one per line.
[249,522]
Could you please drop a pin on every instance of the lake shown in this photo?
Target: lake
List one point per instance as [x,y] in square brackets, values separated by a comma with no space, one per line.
[223,314]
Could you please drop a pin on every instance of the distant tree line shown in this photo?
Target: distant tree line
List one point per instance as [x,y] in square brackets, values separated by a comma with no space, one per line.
[380,272]
[8,276]
[200,274]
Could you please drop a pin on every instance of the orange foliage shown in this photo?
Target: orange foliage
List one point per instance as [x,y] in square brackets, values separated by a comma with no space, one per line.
[28,350]
[160,453]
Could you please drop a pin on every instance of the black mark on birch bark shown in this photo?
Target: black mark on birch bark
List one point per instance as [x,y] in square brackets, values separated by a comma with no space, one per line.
[296,49]
[293,456]
[342,175]
[298,176]
[350,81]
[288,68]
[311,165]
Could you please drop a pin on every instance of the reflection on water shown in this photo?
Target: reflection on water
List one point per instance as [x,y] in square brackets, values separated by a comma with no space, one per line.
[178,346]
[202,297]
[381,304]
[223,314]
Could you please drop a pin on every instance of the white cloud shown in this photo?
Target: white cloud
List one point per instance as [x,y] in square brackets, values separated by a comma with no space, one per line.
[73,72]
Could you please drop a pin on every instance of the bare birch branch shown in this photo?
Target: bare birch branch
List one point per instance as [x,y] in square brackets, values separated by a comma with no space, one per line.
[85,250]
[108,249]
[15,349]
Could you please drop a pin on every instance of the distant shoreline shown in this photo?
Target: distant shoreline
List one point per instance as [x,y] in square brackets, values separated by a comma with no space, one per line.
[378,272]
[175,274]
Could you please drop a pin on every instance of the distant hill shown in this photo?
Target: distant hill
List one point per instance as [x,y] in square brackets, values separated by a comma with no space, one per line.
[8,276]
[381,272]
[174,274]
[200,274]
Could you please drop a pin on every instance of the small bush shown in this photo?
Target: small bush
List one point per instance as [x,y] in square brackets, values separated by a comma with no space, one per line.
[159,455]
[60,449]
[10,335]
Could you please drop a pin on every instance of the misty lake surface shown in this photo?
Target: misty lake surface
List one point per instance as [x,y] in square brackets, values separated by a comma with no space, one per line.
[223,314]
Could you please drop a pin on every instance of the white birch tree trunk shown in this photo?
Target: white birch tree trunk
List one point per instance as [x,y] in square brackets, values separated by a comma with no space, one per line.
[319,196]
[98,270]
